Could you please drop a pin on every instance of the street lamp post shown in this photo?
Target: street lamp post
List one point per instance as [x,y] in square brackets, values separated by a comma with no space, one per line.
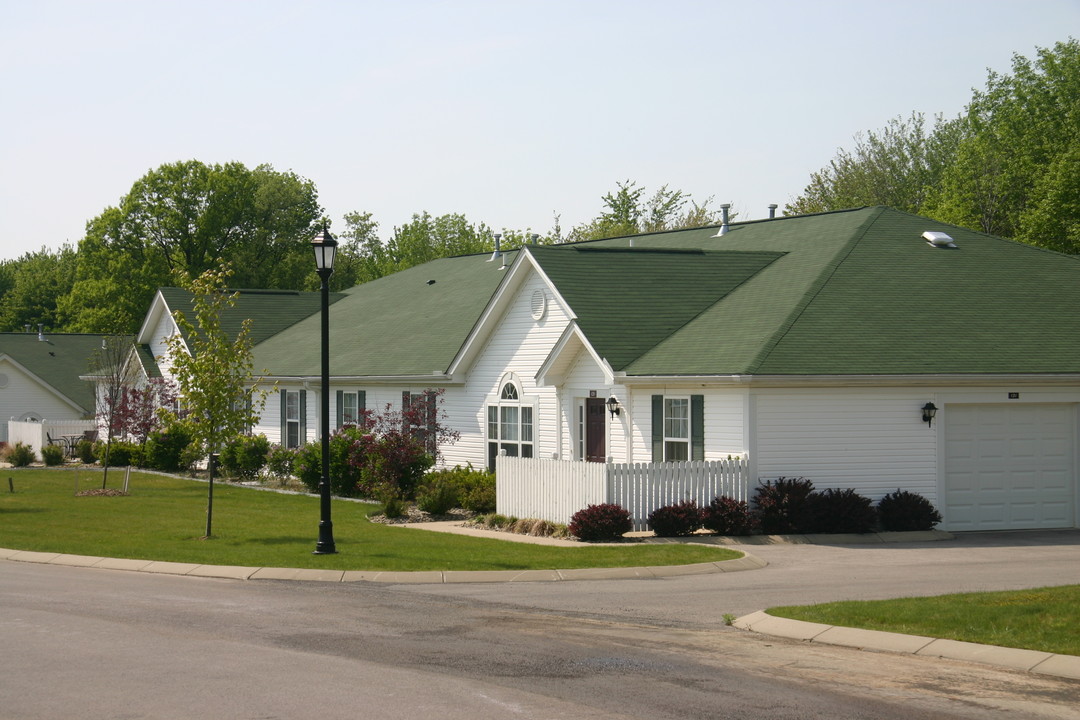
[325,246]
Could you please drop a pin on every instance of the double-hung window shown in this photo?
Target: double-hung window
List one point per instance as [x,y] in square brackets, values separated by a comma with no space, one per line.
[509,425]
[420,413]
[350,404]
[676,429]
[678,432]
[293,418]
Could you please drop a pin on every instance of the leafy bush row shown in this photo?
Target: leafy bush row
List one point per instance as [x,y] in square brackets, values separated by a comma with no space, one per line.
[786,505]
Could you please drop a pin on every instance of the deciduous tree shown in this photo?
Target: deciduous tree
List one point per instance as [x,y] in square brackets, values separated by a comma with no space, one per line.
[218,388]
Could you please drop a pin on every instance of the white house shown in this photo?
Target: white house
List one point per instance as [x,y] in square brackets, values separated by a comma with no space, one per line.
[812,345]
[40,381]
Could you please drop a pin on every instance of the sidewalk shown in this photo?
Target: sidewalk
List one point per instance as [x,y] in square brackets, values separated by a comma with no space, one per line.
[1066,666]
[230,572]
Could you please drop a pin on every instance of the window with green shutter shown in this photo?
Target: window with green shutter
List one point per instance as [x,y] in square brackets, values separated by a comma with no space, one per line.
[678,428]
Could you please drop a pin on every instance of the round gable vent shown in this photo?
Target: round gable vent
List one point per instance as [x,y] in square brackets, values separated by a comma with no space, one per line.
[539,304]
[3,380]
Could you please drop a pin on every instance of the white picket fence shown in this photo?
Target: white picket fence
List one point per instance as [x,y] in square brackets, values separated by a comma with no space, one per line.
[37,434]
[554,490]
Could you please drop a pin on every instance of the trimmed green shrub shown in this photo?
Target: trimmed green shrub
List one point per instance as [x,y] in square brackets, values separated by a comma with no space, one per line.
[903,511]
[244,456]
[85,451]
[344,475]
[676,520]
[169,449]
[780,505]
[52,455]
[474,489]
[393,504]
[600,523]
[728,516]
[121,454]
[21,455]
[279,463]
[436,499]
[839,511]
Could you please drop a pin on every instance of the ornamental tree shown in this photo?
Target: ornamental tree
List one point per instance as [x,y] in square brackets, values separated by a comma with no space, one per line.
[219,391]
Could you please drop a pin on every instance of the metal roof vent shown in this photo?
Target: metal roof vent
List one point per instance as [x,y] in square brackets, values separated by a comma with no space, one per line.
[498,249]
[724,227]
[938,239]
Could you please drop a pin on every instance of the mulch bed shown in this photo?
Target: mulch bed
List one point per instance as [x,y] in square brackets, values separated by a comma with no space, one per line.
[99,492]
[414,514]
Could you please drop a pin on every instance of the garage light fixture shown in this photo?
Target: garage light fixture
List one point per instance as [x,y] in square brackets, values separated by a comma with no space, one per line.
[929,410]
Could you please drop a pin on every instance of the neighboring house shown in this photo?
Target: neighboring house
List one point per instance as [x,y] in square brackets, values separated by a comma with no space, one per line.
[809,344]
[40,377]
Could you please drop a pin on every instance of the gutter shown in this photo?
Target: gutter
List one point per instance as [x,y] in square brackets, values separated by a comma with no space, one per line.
[863,380]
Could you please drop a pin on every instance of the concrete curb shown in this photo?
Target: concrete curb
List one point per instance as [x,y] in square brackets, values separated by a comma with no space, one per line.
[1065,666]
[437,577]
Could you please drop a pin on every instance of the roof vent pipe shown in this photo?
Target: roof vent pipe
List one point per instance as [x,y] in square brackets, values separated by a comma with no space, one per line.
[26,327]
[772,211]
[723,220]
[534,238]
[41,332]
[498,248]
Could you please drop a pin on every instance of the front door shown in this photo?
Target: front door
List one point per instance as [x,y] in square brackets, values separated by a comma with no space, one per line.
[595,430]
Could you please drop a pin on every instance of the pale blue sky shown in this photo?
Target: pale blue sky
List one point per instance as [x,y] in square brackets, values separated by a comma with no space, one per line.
[507,112]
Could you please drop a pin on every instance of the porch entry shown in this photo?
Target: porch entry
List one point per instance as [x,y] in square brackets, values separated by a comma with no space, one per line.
[595,430]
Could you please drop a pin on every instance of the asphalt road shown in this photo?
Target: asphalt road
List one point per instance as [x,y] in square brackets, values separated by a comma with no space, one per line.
[92,643]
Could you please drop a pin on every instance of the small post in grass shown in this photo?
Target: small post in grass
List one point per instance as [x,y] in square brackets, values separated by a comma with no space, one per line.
[11,485]
[127,476]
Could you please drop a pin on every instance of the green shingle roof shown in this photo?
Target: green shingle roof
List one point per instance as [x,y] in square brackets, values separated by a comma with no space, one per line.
[861,292]
[271,311]
[628,300]
[59,360]
[850,292]
[410,323]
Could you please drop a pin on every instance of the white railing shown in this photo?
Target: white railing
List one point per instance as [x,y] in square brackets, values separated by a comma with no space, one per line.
[554,490]
[37,434]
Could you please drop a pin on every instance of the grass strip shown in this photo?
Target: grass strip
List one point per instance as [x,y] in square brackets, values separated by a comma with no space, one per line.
[163,518]
[1041,619]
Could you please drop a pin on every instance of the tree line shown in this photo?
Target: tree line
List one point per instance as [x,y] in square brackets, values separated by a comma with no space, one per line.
[185,218]
[1008,165]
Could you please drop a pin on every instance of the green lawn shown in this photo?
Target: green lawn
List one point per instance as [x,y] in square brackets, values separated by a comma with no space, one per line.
[1043,619]
[163,518]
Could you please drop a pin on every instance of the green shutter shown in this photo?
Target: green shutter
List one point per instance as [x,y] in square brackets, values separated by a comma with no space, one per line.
[657,428]
[697,427]
[361,401]
[340,408]
[284,424]
[303,417]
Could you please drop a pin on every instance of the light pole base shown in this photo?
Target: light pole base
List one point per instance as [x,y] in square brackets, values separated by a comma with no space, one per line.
[325,545]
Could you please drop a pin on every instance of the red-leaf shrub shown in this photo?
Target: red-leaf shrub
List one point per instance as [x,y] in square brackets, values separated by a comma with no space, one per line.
[598,523]
[728,516]
[902,511]
[781,505]
[676,520]
[839,511]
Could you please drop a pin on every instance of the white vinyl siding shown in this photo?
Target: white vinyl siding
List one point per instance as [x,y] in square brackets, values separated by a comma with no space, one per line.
[724,420]
[519,345]
[24,394]
[873,441]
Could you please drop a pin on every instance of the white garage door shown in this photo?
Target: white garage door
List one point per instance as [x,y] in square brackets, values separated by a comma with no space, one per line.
[1010,467]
